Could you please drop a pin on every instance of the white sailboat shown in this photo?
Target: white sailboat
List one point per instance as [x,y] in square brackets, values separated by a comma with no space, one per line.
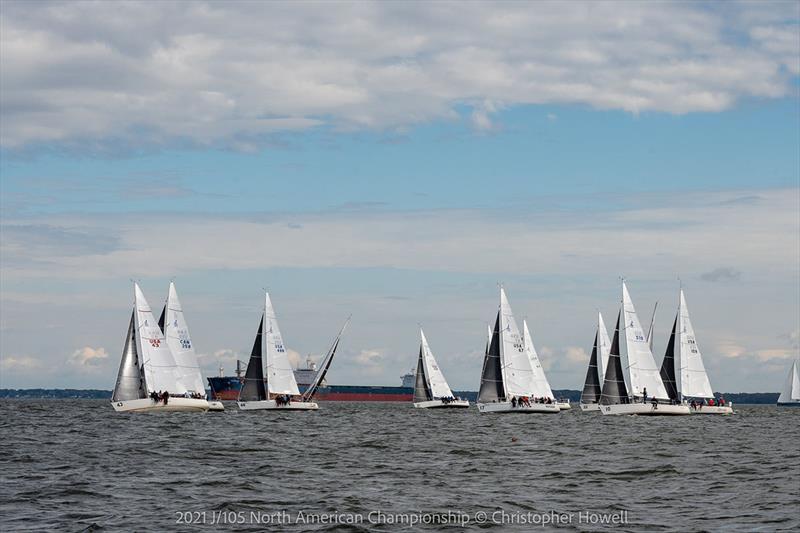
[683,372]
[173,324]
[641,391]
[431,389]
[507,375]
[541,387]
[276,388]
[592,387]
[790,394]
[148,368]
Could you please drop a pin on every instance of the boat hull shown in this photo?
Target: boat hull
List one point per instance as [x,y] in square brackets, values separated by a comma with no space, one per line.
[586,407]
[439,404]
[215,406]
[175,404]
[506,407]
[645,409]
[564,406]
[273,406]
[788,404]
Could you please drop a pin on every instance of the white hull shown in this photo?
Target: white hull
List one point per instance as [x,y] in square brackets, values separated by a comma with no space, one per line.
[713,410]
[564,406]
[645,409]
[215,405]
[272,405]
[506,407]
[175,404]
[590,407]
[439,404]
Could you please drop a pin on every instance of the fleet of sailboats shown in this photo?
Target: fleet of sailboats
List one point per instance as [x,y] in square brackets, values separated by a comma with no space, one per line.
[159,369]
[431,390]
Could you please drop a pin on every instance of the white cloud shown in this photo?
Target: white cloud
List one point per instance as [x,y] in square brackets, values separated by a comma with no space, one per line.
[237,73]
[370,357]
[88,357]
[22,363]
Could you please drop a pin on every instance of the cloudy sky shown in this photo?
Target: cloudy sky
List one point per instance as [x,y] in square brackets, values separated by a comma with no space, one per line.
[397,161]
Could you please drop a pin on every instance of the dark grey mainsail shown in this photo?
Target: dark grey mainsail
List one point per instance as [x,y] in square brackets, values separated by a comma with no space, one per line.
[492,389]
[161,319]
[326,364]
[668,366]
[614,389]
[591,387]
[422,391]
[130,378]
[255,388]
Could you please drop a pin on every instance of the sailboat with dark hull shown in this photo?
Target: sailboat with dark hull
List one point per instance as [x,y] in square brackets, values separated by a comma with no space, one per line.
[632,372]
[593,384]
[431,390]
[507,375]
[148,368]
[682,370]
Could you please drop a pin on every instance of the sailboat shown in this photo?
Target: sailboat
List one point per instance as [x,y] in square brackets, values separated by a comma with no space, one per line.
[430,388]
[319,377]
[682,370]
[507,373]
[790,395]
[592,387]
[148,368]
[632,378]
[277,388]
[541,387]
[173,324]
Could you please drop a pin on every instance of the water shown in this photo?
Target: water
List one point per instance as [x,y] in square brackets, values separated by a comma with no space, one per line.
[72,465]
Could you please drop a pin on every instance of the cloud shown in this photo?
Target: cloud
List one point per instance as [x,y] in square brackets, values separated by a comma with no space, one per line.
[88,357]
[721,274]
[576,354]
[14,363]
[370,357]
[240,75]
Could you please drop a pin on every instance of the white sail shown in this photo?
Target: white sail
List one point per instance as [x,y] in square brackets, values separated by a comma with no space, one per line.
[161,373]
[641,371]
[791,388]
[517,371]
[541,387]
[177,333]
[279,372]
[603,347]
[436,382]
[692,380]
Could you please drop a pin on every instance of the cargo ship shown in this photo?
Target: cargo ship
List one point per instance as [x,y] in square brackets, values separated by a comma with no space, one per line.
[227,387]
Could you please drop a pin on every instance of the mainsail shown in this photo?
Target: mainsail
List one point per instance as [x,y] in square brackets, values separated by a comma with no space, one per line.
[254,387]
[640,367]
[422,393]
[433,375]
[180,343]
[591,385]
[130,383]
[791,388]
[541,387]
[492,389]
[160,369]
[517,371]
[668,366]
[326,364]
[280,375]
[614,390]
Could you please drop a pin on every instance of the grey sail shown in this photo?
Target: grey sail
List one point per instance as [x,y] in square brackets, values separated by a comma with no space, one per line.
[492,388]
[591,387]
[326,364]
[614,390]
[255,388]
[130,380]
[162,318]
[422,392]
[668,366]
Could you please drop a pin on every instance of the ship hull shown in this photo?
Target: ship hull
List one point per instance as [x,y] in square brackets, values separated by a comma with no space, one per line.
[227,388]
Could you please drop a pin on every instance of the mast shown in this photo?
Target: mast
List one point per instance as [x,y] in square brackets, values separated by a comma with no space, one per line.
[325,365]
[492,388]
[254,387]
[614,390]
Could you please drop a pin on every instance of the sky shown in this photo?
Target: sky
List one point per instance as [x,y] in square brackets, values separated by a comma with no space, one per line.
[397,162]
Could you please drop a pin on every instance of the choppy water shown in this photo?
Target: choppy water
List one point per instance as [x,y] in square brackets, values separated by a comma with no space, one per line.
[71,465]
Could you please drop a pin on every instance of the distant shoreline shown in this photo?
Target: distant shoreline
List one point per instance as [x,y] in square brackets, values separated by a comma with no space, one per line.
[573,395]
